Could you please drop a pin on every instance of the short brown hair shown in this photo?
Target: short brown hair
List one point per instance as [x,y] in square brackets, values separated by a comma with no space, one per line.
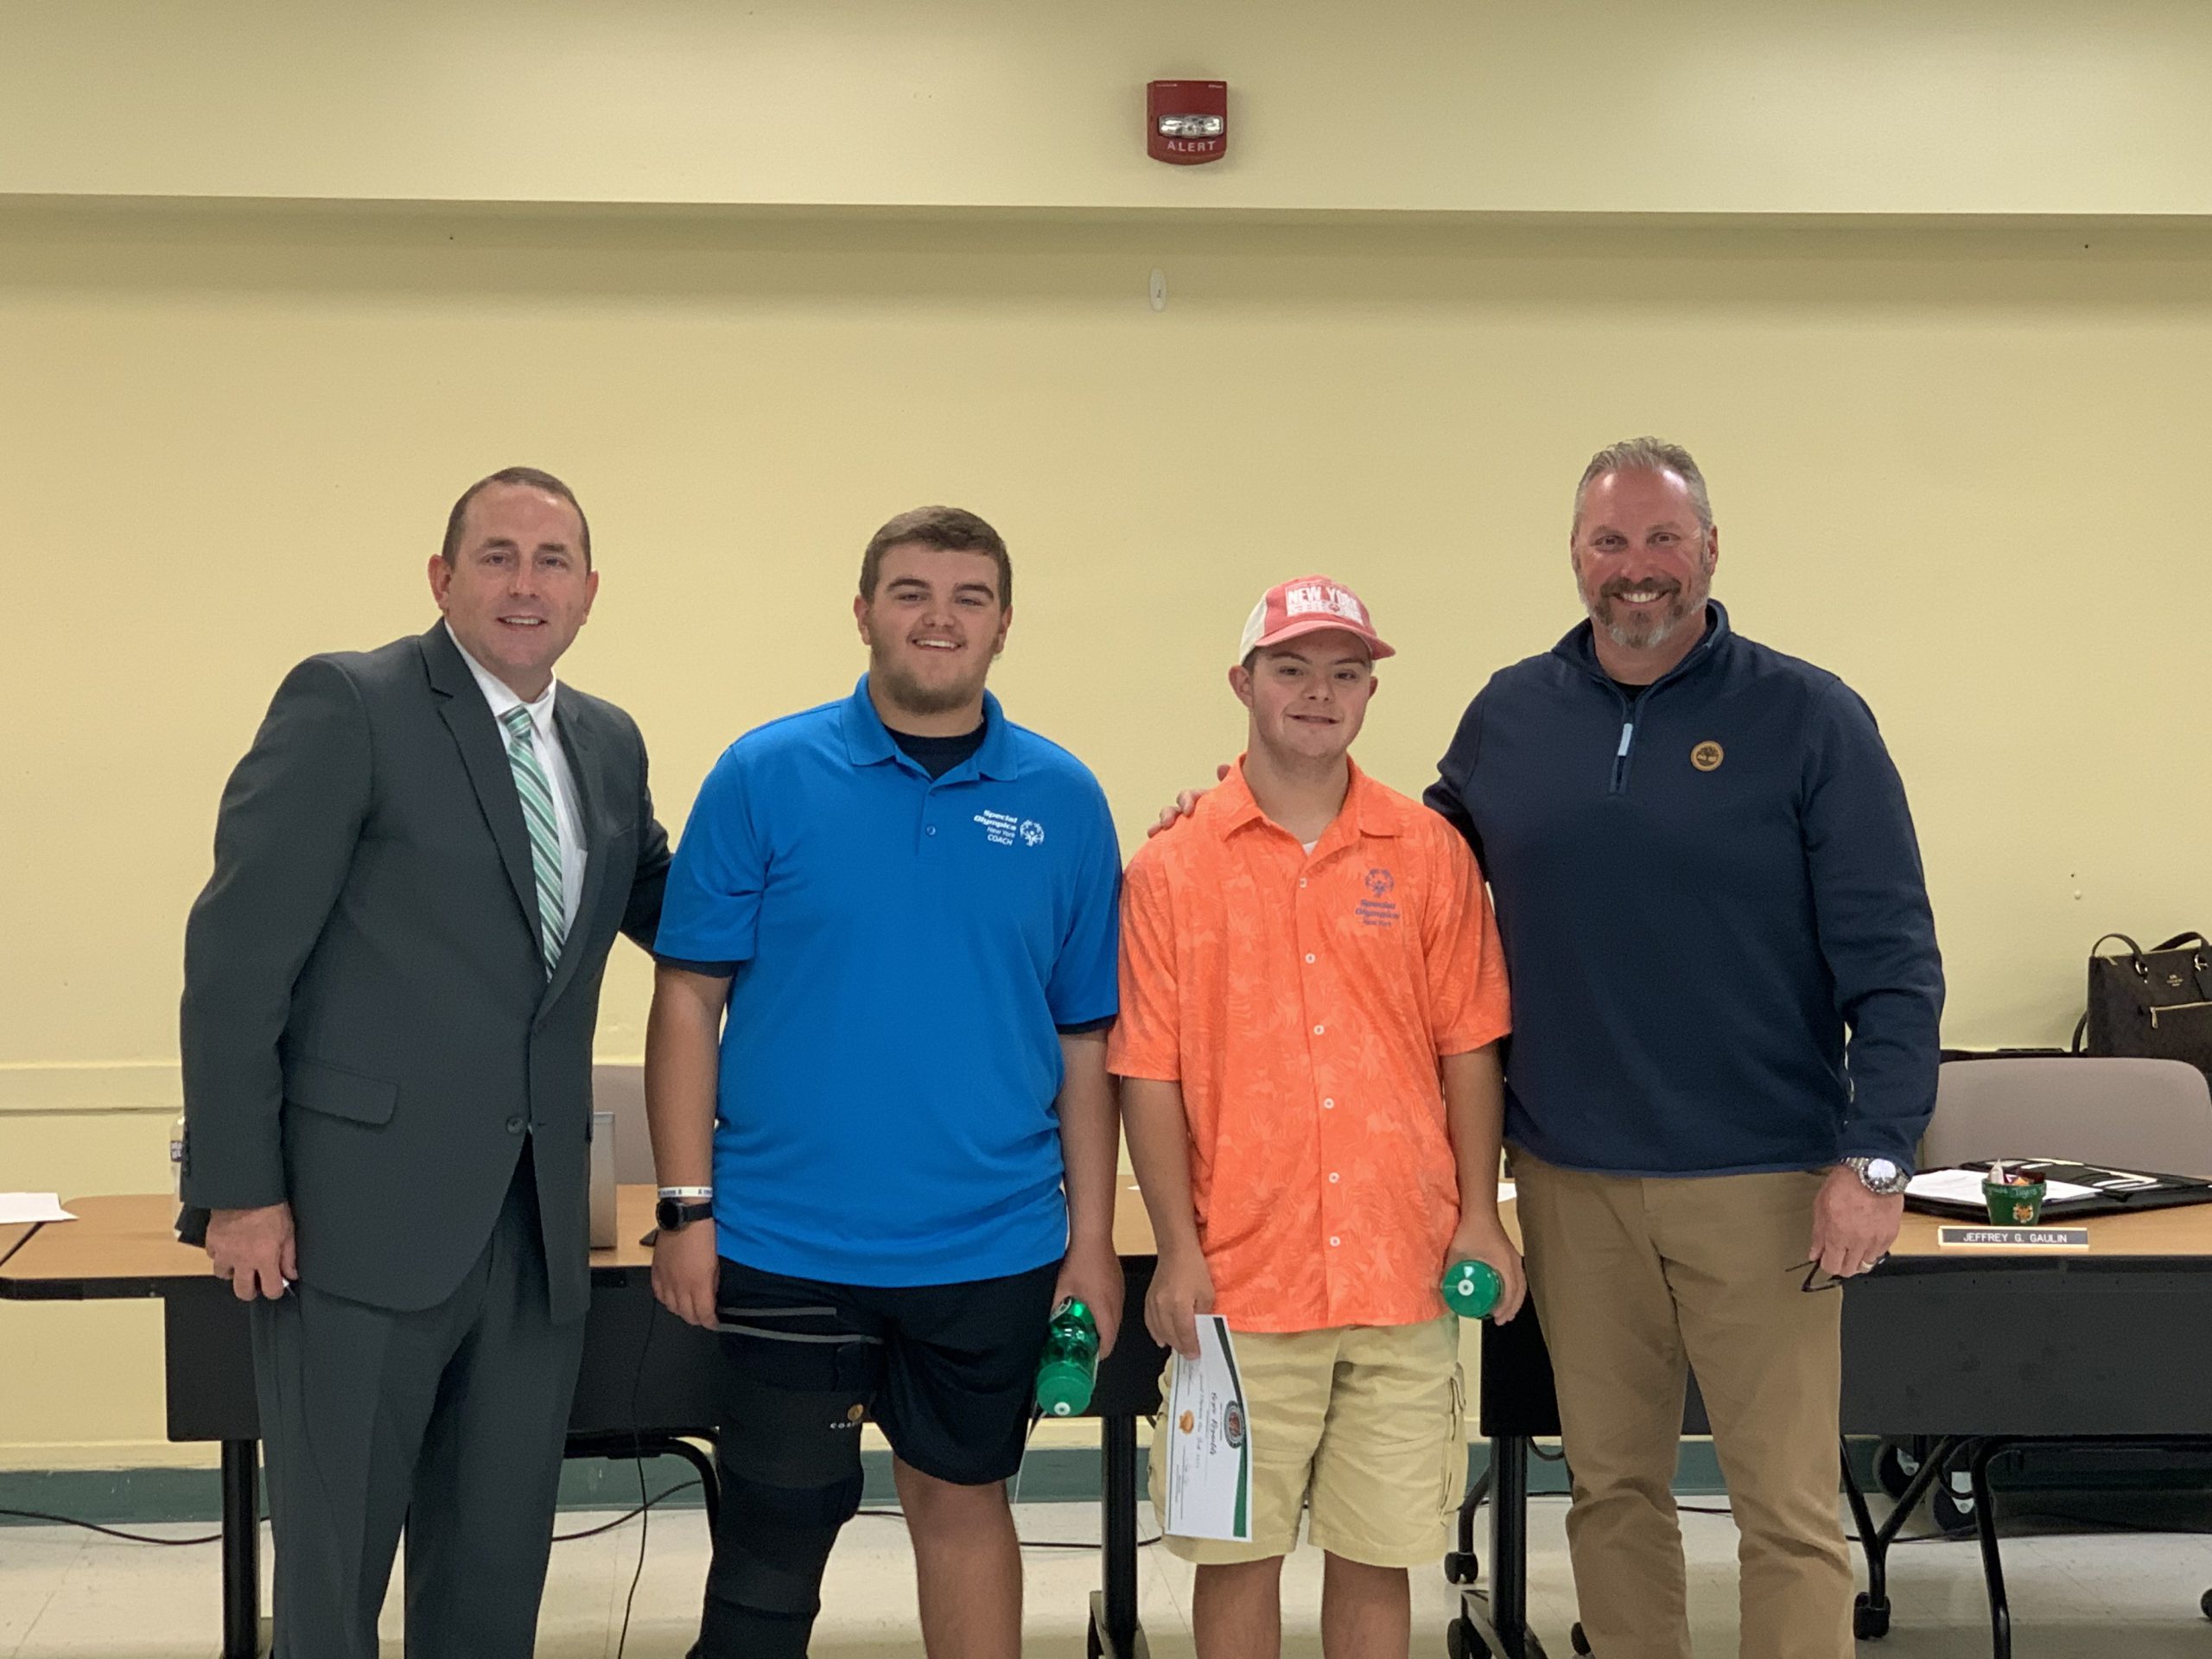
[953,528]
[528,478]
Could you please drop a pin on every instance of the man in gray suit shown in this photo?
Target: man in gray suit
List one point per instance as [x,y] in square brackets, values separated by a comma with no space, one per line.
[390,985]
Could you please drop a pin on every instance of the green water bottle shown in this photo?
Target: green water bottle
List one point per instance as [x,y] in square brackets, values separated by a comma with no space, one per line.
[1471,1288]
[1069,1368]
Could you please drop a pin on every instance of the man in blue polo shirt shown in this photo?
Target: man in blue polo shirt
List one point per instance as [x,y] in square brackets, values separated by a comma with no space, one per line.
[876,1059]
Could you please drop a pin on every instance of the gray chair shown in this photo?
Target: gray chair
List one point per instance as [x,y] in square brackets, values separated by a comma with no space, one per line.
[2129,1113]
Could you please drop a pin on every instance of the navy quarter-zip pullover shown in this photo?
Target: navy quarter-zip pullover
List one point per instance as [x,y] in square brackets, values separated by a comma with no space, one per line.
[1715,924]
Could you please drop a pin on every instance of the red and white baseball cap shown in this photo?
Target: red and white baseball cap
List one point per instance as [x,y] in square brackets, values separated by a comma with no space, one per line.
[1308,604]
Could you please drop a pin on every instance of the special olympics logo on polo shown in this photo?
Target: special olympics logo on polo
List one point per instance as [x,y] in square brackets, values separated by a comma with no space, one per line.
[1004,828]
[1380,881]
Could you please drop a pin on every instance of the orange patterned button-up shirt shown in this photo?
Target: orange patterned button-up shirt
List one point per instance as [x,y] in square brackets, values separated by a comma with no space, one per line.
[1301,1001]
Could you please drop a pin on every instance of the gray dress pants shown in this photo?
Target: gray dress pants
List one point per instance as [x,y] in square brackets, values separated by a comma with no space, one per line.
[448,1423]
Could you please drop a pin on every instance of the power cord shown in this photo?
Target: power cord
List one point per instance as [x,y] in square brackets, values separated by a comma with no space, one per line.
[645,1509]
[628,1516]
[621,1520]
[110,1532]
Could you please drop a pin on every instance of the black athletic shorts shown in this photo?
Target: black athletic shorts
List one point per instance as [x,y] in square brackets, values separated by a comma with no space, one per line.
[948,1372]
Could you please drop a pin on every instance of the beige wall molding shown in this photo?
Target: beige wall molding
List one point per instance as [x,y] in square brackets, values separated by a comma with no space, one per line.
[89,1086]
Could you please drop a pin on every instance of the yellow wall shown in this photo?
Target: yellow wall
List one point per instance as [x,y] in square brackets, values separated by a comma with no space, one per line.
[1918,106]
[1949,463]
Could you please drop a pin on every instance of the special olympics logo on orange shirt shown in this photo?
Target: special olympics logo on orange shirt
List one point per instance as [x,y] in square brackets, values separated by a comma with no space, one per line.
[1378,911]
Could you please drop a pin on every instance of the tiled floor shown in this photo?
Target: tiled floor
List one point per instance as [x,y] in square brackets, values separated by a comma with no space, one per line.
[2098,1596]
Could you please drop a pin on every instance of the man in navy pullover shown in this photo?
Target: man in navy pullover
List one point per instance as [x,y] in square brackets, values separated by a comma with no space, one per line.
[1725,997]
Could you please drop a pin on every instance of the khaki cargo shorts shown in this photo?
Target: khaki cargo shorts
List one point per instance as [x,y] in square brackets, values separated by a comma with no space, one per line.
[1363,1428]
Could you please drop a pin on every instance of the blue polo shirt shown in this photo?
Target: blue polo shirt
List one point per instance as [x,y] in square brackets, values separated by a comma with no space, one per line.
[906,951]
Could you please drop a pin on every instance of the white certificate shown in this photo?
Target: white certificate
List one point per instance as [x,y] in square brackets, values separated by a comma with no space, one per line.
[1209,1458]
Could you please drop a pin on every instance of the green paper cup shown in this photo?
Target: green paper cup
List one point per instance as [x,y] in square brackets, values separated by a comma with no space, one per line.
[2013,1206]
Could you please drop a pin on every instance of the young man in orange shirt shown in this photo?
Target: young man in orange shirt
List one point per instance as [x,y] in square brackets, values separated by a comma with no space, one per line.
[1312,994]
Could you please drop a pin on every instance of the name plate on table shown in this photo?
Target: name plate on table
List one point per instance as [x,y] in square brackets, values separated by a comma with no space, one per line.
[2013,1238]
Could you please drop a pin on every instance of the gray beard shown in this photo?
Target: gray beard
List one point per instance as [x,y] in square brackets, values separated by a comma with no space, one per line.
[1688,602]
[1655,633]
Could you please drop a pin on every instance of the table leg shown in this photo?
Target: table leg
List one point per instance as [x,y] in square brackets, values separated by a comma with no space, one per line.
[1113,1633]
[1870,1612]
[1993,1562]
[241,1550]
[1508,1543]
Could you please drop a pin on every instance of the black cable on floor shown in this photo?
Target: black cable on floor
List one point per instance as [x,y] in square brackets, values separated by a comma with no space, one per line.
[110,1532]
[637,1448]
[628,1516]
[2097,1524]
[623,1519]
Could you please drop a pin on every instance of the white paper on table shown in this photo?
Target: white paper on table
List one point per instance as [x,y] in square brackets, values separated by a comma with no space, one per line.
[17,1208]
[1209,1458]
[1964,1187]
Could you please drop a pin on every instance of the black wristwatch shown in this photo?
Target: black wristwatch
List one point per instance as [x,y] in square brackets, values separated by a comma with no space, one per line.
[677,1209]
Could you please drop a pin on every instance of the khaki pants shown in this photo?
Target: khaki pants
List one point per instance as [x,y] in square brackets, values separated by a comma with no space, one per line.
[1633,1279]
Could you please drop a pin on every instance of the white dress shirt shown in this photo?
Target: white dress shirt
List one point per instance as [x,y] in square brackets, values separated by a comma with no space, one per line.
[568,820]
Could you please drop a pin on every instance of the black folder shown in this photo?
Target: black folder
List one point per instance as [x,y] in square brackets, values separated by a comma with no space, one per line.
[2117,1192]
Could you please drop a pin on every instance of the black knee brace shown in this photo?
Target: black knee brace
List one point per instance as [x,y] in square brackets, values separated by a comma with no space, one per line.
[790,1464]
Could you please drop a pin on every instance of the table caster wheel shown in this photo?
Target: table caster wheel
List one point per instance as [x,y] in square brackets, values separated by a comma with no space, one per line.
[1869,1622]
[1576,1640]
[1462,1566]
[1894,1467]
[1463,1640]
[1950,1504]
[2204,1604]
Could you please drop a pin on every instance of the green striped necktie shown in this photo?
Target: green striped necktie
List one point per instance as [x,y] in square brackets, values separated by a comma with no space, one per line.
[537,792]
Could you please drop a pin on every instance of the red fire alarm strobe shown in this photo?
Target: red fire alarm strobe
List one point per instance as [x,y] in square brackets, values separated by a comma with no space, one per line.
[1186,122]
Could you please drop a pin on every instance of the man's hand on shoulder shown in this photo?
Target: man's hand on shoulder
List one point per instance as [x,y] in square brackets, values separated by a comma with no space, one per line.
[253,1248]
[1852,1226]
[1186,803]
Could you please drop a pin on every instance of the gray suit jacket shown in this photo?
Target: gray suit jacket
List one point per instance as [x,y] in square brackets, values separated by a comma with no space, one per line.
[368,1030]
